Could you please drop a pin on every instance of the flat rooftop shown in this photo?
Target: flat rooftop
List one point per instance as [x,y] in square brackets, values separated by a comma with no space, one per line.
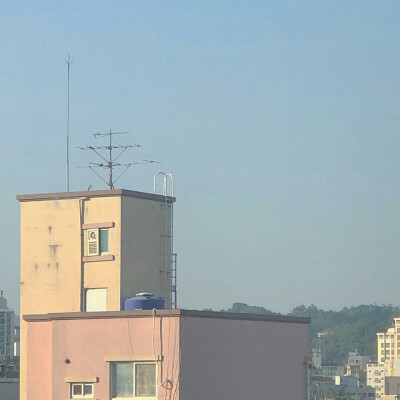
[94,193]
[167,313]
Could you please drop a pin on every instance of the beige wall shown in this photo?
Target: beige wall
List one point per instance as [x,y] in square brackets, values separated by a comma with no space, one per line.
[143,226]
[105,274]
[229,359]
[50,262]
[53,244]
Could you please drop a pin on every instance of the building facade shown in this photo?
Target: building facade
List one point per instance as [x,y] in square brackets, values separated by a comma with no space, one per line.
[6,329]
[89,251]
[388,343]
[166,354]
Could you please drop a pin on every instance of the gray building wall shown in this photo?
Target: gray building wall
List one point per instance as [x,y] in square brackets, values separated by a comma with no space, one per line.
[236,359]
[9,389]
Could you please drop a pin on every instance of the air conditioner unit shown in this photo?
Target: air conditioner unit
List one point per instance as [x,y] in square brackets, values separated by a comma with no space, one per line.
[93,242]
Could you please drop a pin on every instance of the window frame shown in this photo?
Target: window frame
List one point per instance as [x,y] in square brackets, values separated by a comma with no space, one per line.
[82,396]
[101,232]
[134,363]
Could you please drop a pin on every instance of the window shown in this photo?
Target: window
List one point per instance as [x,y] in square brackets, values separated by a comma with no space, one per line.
[96,299]
[133,380]
[82,390]
[97,241]
[103,240]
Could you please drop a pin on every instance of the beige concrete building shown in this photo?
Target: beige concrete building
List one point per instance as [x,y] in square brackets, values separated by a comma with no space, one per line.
[388,343]
[89,251]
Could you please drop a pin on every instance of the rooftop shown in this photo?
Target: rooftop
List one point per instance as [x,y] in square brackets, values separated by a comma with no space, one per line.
[167,313]
[94,193]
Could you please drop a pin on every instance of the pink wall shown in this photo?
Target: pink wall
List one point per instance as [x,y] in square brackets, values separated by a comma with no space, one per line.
[206,355]
[229,359]
[39,348]
[85,342]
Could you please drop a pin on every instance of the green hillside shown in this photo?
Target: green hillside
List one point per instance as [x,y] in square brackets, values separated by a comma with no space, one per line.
[350,328]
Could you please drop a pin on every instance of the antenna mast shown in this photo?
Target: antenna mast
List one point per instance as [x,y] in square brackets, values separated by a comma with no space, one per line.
[69,62]
[110,162]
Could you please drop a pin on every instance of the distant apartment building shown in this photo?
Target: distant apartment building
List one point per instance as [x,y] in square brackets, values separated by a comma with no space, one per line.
[378,374]
[16,341]
[316,358]
[356,359]
[388,343]
[352,389]
[6,329]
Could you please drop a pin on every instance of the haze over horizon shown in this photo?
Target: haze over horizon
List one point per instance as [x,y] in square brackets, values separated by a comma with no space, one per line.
[279,120]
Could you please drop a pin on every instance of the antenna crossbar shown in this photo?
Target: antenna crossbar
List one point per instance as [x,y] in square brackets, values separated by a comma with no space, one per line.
[110,162]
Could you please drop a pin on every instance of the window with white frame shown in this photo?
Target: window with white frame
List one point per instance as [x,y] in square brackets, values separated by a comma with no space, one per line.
[133,380]
[81,390]
[97,241]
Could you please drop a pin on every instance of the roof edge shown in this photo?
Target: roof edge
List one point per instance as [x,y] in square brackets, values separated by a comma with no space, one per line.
[94,193]
[166,313]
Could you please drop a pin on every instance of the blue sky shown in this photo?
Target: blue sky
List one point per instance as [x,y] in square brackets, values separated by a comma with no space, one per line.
[279,120]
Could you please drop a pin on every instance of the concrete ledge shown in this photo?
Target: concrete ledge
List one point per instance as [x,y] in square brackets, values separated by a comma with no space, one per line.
[105,257]
[133,358]
[79,379]
[167,313]
[95,193]
[99,225]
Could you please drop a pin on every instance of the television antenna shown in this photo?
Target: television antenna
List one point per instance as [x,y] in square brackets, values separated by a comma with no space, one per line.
[110,162]
[69,62]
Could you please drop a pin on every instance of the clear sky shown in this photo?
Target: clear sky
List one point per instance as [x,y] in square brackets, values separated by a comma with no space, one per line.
[279,120]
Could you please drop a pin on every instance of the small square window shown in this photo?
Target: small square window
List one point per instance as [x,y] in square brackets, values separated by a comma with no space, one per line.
[82,390]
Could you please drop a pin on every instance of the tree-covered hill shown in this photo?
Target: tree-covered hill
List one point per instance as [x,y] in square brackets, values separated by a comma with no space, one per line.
[348,329]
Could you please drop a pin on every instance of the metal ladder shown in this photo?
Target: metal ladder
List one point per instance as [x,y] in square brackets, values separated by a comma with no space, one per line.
[170,281]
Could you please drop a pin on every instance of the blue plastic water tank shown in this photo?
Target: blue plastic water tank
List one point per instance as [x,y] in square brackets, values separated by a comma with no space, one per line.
[144,301]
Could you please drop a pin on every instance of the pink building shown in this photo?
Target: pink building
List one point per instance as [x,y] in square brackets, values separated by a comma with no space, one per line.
[166,354]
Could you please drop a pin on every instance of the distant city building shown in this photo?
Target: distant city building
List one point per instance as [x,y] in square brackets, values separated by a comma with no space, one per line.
[388,343]
[324,333]
[16,341]
[376,373]
[316,358]
[392,385]
[6,329]
[332,370]
[356,359]
[9,389]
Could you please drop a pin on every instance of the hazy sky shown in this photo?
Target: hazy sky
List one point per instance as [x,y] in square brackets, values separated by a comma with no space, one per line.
[279,120]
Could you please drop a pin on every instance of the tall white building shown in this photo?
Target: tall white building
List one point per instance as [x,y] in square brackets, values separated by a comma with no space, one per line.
[6,329]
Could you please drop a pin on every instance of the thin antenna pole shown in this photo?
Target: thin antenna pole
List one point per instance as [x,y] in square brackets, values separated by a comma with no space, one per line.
[110,164]
[69,62]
